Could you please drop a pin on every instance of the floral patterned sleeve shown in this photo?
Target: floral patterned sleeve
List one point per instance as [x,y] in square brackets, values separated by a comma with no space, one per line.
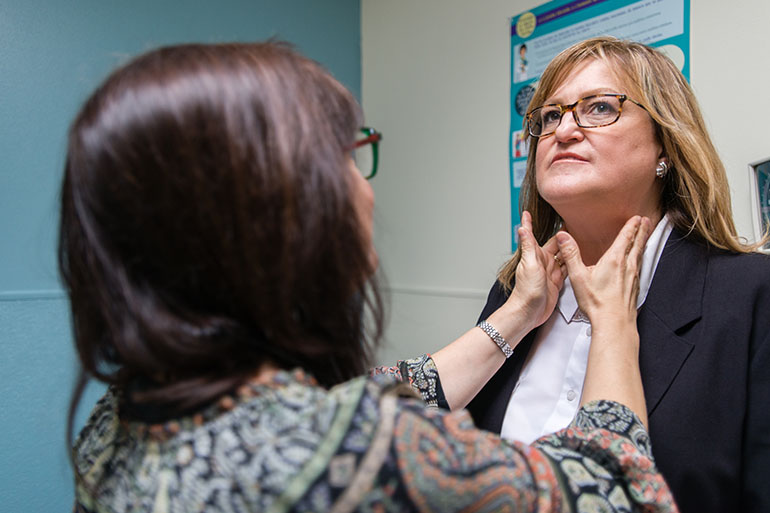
[601,462]
[422,375]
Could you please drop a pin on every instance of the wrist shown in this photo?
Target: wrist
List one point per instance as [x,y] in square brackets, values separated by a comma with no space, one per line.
[523,313]
[496,337]
[621,325]
[618,340]
[512,321]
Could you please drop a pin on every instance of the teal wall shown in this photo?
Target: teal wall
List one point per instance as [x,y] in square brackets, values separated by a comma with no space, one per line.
[52,54]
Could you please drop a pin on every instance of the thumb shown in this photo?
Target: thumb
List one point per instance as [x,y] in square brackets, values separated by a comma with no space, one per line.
[526,243]
[570,254]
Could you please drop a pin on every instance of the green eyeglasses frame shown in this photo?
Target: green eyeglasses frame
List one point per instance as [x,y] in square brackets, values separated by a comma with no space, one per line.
[372,137]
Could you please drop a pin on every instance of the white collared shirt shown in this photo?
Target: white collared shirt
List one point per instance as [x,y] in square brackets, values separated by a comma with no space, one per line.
[548,392]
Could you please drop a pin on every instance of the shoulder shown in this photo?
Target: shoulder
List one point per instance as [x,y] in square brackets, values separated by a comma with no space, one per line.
[720,258]
[353,466]
[402,416]
[738,271]
[98,432]
[751,266]
[736,291]
[738,278]
[288,434]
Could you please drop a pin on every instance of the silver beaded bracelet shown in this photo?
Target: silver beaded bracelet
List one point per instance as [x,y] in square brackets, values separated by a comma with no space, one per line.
[496,337]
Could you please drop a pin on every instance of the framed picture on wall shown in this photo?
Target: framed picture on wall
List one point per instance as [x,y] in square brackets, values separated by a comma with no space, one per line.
[759,181]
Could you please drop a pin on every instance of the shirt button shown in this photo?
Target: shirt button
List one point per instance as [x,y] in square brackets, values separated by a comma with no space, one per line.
[588,331]
[571,395]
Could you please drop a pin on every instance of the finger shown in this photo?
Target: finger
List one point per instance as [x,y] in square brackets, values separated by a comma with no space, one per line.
[640,241]
[557,274]
[551,247]
[556,268]
[526,220]
[570,254]
[525,228]
[553,261]
[527,243]
[625,239]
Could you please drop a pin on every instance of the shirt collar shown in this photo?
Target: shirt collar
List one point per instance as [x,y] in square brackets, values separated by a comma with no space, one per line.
[567,304]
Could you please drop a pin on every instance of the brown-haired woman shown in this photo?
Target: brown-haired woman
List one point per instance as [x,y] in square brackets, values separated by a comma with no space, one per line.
[216,245]
[617,132]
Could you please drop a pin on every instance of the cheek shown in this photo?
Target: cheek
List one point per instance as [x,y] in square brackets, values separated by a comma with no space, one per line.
[541,157]
[542,147]
[365,203]
[366,196]
[361,188]
[637,157]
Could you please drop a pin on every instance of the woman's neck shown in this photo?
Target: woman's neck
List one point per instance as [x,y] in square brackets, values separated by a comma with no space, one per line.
[594,235]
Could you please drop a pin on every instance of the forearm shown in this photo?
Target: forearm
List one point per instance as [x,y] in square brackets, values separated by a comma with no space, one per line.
[613,367]
[600,463]
[469,362]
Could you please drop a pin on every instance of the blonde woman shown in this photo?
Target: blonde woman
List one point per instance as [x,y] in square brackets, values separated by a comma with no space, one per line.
[615,132]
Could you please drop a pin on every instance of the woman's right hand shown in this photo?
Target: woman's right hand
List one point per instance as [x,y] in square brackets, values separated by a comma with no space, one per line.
[539,277]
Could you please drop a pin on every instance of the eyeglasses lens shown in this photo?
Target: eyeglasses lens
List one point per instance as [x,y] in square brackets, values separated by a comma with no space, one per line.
[364,158]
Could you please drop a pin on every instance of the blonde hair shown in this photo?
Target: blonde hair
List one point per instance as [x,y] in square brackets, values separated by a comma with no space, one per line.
[695,194]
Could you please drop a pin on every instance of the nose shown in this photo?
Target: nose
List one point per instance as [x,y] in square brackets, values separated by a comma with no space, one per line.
[568,128]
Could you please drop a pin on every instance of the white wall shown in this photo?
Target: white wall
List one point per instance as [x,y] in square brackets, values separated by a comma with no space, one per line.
[435,79]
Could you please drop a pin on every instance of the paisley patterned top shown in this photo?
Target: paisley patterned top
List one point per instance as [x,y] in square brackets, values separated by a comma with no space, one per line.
[366,445]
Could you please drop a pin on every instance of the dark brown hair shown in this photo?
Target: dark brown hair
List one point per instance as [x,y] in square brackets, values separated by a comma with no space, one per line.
[208,225]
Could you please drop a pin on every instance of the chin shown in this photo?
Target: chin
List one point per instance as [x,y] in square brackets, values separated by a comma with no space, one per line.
[567,193]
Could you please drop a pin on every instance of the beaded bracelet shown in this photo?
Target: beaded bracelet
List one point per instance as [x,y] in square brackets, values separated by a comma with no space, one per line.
[496,338]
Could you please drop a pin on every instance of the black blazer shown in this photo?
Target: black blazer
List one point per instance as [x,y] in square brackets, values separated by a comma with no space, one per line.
[705,362]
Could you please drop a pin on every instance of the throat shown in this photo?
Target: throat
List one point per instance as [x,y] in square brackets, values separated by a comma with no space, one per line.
[594,238]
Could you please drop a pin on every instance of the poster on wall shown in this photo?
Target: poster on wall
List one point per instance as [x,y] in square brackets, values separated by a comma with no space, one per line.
[538,35]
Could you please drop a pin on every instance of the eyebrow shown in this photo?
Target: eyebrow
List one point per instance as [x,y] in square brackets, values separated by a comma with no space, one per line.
[584,94]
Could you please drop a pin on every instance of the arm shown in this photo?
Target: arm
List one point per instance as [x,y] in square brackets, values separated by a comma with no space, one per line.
[607,293]
[756,451]
[421,374]
[600,463]
[469,362]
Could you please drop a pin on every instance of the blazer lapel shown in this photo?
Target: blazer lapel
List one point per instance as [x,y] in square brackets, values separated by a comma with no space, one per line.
[673,305]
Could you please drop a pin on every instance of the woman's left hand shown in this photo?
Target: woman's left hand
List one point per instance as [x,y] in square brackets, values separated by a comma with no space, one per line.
[466,364]
[609,289]
[539,275]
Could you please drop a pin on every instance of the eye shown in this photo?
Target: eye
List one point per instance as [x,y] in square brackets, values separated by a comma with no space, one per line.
[550,115]
[601,107]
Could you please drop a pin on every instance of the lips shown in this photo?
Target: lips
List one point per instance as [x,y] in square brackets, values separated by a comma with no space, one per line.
[566,156]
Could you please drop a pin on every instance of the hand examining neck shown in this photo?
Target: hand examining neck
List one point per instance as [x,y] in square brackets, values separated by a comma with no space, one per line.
[594,234]
[607,293]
